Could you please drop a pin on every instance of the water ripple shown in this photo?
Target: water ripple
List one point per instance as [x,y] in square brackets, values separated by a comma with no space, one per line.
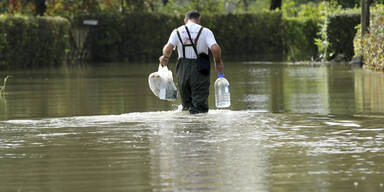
[175,151]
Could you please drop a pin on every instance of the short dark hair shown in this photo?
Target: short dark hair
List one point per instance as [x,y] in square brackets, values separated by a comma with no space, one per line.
[194,14]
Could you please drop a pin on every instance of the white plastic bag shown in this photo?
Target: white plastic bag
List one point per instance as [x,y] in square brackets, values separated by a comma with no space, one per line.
[161,84]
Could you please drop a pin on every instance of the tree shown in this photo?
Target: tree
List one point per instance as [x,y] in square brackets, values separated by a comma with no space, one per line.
[365,15]
[40,7]
[90,5]
[275,4]
[246,5]
[135,5]
[143,5]
[346,3]
[4,6]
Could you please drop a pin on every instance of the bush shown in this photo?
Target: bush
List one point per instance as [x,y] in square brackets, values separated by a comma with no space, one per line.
[341,31]
[105,37]
[251,36]
[347,3]
[336,35]
[298,37]
[129,38]
[4,54]
[371,47]
[141,36]
[29,42]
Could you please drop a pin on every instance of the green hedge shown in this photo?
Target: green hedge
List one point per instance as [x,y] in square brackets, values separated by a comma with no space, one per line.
[42,41]
[131,37]
[299,38]
[341,31]
[136,37]
[29,42]
[255,36]
[371,47]
[336,35]
[347,3]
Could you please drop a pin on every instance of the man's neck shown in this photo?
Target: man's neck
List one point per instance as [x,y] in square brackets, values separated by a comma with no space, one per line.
[192,21]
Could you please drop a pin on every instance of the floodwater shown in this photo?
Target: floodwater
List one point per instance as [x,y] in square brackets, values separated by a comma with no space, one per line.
[291,127]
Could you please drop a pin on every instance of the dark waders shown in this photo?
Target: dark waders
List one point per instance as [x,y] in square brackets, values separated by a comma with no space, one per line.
[193,86]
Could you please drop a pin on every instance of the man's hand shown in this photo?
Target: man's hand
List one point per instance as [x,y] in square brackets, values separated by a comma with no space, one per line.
[167,51]
[163,60]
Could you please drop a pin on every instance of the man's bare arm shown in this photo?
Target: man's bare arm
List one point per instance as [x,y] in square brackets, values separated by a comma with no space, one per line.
[216,52]
[167,52]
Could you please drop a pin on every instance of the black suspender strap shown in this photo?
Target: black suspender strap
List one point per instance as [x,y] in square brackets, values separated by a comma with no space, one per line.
[192,44]
[198,35]
[197,38]
[181,41]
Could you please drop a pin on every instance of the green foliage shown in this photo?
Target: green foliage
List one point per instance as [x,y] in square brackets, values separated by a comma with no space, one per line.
[105,37]
[301,8]
[341,33]
[65,8]
[346,3]
[28,42]
[255,35]
[141,32]
[322,42]
[69,8]
[371,46]
[4,6]
[298,38]
[127,37]
[203,6]
[301,27]
[335,37]
[4,55]
[357,42]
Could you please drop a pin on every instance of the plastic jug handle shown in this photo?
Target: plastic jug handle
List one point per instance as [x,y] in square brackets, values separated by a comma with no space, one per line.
[219,75]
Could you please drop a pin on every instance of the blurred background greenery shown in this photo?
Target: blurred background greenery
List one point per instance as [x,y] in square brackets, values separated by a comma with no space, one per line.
[68,8]
[37,33]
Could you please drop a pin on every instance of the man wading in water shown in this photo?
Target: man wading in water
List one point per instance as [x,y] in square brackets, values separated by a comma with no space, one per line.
[193,81]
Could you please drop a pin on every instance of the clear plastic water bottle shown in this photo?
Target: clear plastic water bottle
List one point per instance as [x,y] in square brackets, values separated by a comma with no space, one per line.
[222,93]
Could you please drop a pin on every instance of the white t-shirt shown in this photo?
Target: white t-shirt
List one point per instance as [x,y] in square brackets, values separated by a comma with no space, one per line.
[205,41]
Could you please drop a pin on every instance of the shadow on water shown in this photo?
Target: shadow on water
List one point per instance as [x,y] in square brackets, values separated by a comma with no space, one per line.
[290,128]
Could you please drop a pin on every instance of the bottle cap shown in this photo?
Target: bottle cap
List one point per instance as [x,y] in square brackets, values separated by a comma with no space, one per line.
[219,75]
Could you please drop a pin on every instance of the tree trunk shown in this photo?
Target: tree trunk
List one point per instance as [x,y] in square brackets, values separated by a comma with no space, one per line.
[152,6]
[40,7]
[122,6]
[365,16]
[275,4]
[90,5]
[246,4]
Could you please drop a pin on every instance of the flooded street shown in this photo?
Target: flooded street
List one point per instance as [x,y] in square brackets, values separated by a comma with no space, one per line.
[290,128]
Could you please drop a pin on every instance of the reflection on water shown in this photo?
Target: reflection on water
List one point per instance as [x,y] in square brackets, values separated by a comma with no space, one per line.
[118,89]
[290,128]
[369,92]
